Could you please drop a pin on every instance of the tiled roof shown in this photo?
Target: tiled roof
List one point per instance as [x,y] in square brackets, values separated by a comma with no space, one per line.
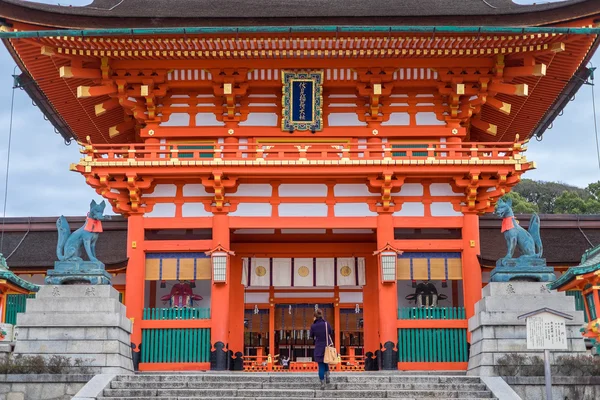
[564,241]
[104,13]
[590,262]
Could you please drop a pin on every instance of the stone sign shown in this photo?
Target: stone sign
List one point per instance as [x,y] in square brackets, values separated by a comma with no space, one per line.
[546,331]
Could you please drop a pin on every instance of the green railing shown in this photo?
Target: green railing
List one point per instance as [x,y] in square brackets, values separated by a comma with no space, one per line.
[176,345]
[579,303]
[432,313]
[156,314]
[432,345]
[16,303]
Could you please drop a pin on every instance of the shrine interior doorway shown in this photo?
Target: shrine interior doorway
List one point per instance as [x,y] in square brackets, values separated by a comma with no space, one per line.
[277,338]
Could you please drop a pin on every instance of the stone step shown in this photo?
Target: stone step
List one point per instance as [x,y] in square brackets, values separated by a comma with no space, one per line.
[297,378]
[287,398]
[313,384]
[285,393]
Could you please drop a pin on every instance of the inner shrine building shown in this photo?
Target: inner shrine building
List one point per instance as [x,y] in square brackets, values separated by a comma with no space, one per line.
[272,158]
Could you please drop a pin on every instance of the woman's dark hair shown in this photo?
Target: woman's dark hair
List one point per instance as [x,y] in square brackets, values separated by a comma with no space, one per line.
[318,313]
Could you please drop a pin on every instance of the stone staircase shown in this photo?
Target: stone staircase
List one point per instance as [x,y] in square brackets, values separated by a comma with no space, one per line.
[292,386]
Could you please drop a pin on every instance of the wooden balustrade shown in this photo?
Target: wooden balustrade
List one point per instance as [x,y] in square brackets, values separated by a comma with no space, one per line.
[302,152]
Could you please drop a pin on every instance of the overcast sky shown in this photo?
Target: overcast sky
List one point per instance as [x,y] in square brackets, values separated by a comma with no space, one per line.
[40,183]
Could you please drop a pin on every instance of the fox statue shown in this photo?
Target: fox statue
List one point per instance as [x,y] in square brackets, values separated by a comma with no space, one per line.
[70,244]
[529,242]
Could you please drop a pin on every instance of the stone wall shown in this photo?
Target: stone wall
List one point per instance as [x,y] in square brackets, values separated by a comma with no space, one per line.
[41,387]
[563,387]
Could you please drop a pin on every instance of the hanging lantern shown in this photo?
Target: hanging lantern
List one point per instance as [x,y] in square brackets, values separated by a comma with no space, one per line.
[219,258]
[357,309]
[387,260]
[256,309]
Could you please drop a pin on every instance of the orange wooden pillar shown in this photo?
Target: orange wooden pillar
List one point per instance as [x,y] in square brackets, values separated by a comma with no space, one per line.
[371,314]
[388,300]
[135,278]
[236,314]
[471,270]
[336,324]
[220,358]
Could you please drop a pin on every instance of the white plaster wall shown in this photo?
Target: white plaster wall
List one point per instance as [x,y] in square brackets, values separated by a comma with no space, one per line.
[443,210]
[353,210]
[162,210]
[411,209]
[344,119]
[442,189]
[352,231]
[194,210]
[411,189]
[177,119]
[254,231]
[352,189]
[302,210]
[256,298]
[253,190]
[304,231]
[163,190]
[207,119]
[302,190]
[351,297]
[196,190]
[252,210]
[299,295]
[428,118]
[397,118]
[260,119]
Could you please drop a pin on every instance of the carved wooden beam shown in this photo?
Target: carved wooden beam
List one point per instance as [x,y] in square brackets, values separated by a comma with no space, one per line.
[94,91]
[488,128]
[83,73]
[501,106]
[521,89]
[529,70]
[121,128]
[108,105]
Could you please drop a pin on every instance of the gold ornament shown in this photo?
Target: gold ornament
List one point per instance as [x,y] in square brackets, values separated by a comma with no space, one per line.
[345,270]
[260,271]
[303,271]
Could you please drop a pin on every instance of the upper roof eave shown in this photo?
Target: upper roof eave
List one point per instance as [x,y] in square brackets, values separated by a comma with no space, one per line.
[164,13]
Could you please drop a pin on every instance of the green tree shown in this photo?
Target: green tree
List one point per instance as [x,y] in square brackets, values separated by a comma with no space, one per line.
[545,194]
[594,190]
[520,205]
[572,203]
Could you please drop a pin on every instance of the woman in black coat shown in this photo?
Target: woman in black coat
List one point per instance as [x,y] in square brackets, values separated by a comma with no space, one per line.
[318,333]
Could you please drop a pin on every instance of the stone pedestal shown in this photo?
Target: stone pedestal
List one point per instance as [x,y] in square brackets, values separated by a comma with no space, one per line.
[496,331]
[77,321]
[77,272]
[531,269]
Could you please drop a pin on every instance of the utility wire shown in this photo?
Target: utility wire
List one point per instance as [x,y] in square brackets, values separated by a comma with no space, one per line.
[10,125]
[595,120]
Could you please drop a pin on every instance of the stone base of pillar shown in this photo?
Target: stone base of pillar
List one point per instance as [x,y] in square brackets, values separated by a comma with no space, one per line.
[78,321]
[496,330]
